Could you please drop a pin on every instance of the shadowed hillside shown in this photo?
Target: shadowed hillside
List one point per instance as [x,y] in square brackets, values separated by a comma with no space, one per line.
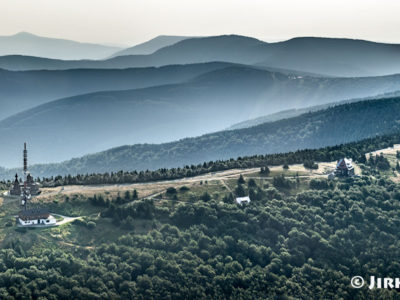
[213,101]
[336,125]
[290,113]
[20,90]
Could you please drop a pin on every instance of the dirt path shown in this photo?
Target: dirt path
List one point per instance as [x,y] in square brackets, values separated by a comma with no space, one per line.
[225,185]
[66,219]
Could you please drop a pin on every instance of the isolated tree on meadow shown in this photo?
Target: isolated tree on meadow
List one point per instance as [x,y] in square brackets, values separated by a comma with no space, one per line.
[265,170]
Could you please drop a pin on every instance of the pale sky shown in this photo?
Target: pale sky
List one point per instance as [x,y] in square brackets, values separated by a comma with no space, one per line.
[133,21]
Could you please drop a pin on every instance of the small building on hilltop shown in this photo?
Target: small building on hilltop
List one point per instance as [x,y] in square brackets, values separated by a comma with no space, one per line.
[17,187]
[344,168]
[30,216]
[36,216]
[28,184]
[243,200]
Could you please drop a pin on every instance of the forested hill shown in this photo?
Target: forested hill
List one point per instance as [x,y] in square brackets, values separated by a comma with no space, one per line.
[211,102]
[290,113]
[23,90]
[299,238]
[332,126]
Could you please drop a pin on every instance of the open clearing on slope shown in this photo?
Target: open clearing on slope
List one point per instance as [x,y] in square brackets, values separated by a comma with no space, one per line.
[391,155]
[72,201]
[151,189]
[387,151]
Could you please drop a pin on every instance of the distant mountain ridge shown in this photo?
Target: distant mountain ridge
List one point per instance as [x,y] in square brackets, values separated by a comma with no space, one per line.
[210,102]
[151,46]
[311,130]
[21,90]
[328,56]
[290,113]
[24,43]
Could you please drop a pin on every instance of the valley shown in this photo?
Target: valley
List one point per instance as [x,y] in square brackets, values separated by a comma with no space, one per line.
[75,127]
[327,127]
[191,89]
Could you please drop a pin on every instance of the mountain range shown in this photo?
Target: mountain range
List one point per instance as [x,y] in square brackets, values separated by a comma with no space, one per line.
[23,90]
[210,102]
[151,46]
[332,126]
[289,113]
[327,56]
[25,43]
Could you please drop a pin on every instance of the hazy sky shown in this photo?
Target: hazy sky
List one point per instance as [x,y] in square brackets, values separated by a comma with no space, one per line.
[133,21]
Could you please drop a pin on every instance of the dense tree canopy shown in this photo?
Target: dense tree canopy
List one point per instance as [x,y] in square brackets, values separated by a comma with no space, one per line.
[281,245]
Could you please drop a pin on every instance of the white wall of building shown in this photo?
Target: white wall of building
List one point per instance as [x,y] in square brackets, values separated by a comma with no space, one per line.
[49,221]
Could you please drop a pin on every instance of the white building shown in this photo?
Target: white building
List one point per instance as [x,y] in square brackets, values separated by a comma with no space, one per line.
[243,200]
[35,217]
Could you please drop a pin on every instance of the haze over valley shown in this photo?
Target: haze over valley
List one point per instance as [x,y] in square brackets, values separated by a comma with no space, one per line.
[325,127]
[175,87]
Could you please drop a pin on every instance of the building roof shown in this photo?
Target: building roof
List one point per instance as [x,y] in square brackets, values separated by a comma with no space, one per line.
[344,163]
[241,200]
[35,213]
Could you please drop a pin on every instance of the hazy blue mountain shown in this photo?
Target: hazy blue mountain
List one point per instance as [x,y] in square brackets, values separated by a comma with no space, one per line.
[25,43]
[151,45]
[23,90]
[333,57]
[336,125]
[198,50]
[290,113]
[213,101]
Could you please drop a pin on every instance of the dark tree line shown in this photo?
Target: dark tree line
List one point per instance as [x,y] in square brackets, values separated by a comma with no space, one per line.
[355,150]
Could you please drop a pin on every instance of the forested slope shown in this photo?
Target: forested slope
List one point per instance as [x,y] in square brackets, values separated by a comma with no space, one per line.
[21,90]
[304,240]
[333,126]
[212,101]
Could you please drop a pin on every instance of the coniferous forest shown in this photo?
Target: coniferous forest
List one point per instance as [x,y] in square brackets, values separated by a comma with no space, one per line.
[356,150]
[295,238]
[279,246]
